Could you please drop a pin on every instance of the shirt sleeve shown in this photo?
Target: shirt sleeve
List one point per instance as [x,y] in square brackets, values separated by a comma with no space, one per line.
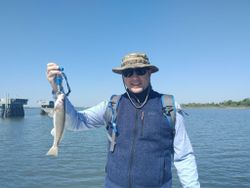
[86,119]
[184,159]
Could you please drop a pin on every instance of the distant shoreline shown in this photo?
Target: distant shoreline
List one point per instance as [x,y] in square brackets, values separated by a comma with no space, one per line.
[245,103]
[217,107]
[182,105]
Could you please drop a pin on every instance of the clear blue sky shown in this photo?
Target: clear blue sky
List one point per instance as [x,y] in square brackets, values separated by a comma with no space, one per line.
[202,47]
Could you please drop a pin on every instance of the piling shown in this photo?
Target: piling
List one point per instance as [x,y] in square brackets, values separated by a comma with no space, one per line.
[11,107]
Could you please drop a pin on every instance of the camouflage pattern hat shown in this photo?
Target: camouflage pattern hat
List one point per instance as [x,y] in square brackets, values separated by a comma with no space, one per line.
[135,60]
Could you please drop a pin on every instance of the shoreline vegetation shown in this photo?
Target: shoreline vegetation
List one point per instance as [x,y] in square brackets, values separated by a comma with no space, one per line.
[245,103]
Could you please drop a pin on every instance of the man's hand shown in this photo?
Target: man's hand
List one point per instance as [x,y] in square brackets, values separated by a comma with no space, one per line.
[52,71]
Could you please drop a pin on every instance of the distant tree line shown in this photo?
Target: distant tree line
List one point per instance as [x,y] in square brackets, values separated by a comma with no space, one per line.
[229,103]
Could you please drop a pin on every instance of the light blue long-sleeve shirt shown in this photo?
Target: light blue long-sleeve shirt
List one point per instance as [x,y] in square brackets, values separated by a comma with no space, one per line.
[184,159]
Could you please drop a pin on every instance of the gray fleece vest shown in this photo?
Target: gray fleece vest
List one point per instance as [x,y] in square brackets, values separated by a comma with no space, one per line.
[142,155]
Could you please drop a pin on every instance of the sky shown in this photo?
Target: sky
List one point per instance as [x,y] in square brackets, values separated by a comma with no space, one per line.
[202,47]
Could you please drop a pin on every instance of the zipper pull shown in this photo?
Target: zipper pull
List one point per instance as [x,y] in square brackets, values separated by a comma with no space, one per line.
[142,122]
[142,115]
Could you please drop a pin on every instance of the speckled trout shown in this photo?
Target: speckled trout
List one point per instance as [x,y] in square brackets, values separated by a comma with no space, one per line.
[58,122]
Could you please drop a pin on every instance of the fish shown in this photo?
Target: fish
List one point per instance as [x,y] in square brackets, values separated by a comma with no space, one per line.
[58,123]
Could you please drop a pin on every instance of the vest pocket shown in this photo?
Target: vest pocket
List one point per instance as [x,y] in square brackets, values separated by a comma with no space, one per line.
[162,171]
[166,173]
[148,172]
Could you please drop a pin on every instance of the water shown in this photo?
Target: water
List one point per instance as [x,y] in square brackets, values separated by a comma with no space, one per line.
[220,139]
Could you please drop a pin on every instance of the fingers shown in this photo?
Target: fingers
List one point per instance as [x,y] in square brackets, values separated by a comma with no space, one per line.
[52,71]
[52,67]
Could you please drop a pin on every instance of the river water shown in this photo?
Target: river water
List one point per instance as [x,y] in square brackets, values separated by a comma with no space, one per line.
[220,138]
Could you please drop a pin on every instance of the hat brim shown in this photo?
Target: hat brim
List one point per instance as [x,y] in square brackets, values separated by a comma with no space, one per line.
[119,70]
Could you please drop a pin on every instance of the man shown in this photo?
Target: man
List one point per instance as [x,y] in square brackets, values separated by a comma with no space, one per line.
[141,151]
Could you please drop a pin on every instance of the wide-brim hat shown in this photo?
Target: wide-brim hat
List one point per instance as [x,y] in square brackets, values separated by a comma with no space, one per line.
[135,60]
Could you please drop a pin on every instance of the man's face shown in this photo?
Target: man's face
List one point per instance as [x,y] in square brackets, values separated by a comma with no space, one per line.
[136,80]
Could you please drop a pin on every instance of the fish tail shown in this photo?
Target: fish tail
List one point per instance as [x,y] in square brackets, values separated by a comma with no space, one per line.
[53,151]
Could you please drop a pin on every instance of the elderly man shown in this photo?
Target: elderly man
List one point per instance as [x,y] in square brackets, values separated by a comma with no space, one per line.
[145,134]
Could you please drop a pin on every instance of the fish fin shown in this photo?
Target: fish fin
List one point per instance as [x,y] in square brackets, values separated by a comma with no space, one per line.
[53,151]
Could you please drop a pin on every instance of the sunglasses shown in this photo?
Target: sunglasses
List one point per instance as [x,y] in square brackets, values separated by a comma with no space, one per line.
[138,71]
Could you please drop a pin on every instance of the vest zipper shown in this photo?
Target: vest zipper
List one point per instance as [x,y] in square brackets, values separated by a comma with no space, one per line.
[132,150]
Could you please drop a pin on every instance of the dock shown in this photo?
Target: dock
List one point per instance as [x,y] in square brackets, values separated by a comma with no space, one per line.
[12,107]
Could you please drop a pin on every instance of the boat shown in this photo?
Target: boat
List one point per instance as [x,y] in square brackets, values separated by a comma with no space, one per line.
[46,107]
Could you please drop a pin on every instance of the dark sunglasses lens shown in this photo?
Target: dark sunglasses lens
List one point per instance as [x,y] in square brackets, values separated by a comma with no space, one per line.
[127,72]
[141,72]
[130,72]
